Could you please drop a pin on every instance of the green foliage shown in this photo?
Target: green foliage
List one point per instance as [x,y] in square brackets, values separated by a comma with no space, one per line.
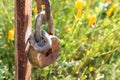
[87,51]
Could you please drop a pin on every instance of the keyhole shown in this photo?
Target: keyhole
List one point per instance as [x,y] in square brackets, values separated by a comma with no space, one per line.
[48,53]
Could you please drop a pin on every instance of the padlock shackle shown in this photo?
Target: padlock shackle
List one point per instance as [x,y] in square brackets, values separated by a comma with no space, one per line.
[38,25]
[49,17]
[47,7]
[40,34]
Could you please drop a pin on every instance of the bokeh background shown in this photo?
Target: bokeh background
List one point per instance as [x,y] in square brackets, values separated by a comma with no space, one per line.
[89,32]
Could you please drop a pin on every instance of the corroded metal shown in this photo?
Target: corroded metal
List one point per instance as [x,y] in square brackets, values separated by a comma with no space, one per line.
[42,60]
[44,47]
[48,17]
[22,33]
[47,7]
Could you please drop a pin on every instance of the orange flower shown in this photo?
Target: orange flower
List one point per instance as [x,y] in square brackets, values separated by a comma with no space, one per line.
[79,14]
[92,20]
[79,4]
[91,68]
[108,1]
[35,10]
[11,34]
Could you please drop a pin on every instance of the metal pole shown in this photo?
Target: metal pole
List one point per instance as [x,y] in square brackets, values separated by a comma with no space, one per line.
[23,13]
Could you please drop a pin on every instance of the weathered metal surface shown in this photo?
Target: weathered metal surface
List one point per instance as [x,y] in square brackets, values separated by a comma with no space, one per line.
[22,32]
[41,59]
[47,7]
[44,48]
[48,15]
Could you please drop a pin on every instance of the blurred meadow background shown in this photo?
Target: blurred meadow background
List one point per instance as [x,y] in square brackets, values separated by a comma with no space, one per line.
[89,32]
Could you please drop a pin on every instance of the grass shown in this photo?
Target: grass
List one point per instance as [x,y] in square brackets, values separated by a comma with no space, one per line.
[89,51]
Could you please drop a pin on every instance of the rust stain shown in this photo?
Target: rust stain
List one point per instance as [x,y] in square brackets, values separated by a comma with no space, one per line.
[21,16]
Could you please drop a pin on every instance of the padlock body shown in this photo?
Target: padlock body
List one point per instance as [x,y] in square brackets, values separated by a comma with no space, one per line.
[44,59]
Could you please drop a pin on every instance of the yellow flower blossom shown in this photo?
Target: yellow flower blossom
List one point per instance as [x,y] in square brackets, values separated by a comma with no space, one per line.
[79,14]
[89,52]
[112,8]
[85,39]
[92,20]
[11,34]
[91,68]
[79,4]
[109,12]
[35,10]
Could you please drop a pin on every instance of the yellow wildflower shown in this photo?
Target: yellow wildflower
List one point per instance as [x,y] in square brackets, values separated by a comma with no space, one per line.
[92,20]
[85,39]
[79,14]
[109,12]
[112,8]
[35,10]
[79,4]
[89,52]
[11,34]
[91,68]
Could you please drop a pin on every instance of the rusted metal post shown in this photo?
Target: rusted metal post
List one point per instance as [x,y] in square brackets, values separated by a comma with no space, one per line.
[23,13]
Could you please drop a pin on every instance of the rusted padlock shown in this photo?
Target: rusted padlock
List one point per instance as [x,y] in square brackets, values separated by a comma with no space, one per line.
[44,48]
